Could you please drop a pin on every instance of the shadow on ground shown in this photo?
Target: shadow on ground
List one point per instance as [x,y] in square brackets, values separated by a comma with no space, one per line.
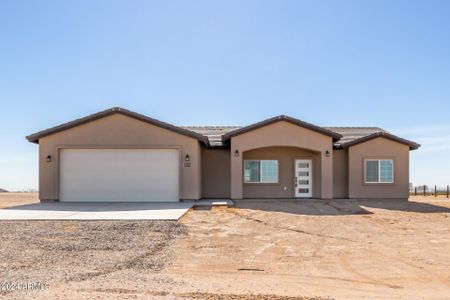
[316,207]
[406,206]
[313,207]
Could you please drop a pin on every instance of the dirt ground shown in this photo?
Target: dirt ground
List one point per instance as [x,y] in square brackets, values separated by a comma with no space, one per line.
[337,249]
[314,249]
[14,199]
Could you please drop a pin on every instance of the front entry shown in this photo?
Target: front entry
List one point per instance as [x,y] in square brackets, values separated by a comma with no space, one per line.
[303,178]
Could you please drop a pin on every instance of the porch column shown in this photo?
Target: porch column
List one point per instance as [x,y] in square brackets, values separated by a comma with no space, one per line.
[326,175]
[236,173]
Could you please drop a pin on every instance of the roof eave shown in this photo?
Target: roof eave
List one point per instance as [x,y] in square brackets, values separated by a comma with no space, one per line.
[412,145]
[336,136]
[34,138]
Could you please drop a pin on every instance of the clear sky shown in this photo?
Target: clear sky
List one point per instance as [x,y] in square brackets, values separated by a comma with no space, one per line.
[382,63]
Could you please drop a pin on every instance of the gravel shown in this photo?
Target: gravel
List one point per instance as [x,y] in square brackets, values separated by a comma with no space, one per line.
[69,251]
[210,296]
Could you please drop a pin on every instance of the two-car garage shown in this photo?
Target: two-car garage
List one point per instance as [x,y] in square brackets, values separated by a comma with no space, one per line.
[130,175]
[119,156]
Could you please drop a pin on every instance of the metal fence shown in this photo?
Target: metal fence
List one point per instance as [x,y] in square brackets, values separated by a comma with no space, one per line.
[424,190]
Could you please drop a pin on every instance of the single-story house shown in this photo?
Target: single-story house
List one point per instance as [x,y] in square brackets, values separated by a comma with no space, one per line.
[120,155]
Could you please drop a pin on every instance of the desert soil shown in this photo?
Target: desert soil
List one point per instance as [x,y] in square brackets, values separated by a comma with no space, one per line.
[14,199]
[258,250]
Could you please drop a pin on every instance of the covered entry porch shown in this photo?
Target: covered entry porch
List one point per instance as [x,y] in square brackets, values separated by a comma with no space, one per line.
[281,172]
[281,143]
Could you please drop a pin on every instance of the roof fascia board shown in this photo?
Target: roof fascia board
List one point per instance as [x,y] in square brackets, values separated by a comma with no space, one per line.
[334,135]
[412,145]
[34,138]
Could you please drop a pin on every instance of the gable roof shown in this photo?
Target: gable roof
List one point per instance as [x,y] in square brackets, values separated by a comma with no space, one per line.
[239,131]
[218,136]
[412,145]
[353,133]
[34,138]
[350,135]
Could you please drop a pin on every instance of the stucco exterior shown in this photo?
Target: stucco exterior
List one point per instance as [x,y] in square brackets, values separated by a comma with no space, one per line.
[378,148]
[214,167]
[118,131]
[286,157]
[340,174]
[215,173]
[288,135]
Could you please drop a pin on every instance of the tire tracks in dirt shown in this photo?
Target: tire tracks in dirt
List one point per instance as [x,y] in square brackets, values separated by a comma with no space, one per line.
[292,229]
[346,263]
[129,264]
[369,279]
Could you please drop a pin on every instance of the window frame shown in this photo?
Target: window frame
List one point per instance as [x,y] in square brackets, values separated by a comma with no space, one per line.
[261,171]
[379,171]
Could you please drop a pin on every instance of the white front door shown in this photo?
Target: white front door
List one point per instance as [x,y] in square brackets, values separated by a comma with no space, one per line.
[303,178]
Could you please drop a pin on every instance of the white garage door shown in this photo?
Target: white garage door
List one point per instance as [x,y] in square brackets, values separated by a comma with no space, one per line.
[119,175]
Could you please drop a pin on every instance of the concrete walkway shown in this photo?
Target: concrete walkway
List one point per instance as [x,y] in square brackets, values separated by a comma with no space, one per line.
[97,211]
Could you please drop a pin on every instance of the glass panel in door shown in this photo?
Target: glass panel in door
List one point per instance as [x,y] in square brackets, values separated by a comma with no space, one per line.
[303,178]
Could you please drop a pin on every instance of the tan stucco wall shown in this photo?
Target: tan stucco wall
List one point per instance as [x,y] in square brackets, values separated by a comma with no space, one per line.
[286,159]
[379,148]
[215,173]
[118,131]
[340,173]
[282,134]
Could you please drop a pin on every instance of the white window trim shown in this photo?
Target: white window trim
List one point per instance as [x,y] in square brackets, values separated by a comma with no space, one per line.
[261,171]
[379,170]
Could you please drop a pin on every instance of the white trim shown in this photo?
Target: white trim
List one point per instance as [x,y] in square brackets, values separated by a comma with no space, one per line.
[379,170]
[261,170]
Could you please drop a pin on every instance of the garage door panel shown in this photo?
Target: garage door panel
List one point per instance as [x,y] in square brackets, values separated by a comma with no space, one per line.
[119,175]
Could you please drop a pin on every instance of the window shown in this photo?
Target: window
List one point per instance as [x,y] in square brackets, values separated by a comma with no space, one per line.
[379,171]
[261,171]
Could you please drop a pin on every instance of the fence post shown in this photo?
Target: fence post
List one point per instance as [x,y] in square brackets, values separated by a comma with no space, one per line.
[448,190]
[415,191]
[435,191]
[424,190]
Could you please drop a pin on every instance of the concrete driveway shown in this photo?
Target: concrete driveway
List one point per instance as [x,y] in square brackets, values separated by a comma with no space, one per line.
[97,211]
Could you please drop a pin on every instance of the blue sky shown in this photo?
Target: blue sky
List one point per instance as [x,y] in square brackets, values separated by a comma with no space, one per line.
[383,63]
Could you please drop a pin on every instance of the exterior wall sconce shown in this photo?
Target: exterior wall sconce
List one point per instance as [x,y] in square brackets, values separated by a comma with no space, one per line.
[236,153]
[187,161]
[327,153]
[48,158]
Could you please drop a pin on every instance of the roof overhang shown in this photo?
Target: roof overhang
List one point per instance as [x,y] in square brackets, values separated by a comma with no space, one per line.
[412,145]
[34,138]
[336,136]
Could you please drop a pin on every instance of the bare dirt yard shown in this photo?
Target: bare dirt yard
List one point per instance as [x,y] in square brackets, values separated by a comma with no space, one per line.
[14,199]
[312,249]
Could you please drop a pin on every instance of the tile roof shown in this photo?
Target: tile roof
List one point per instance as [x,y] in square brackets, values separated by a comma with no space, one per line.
[217,136]
[213,133]
[350,135]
